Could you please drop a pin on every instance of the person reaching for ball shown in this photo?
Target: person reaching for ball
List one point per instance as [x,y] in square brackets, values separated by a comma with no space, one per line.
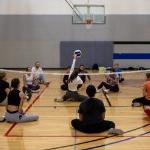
[73,81]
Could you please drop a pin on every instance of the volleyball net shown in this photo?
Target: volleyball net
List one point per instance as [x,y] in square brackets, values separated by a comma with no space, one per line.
[132,78]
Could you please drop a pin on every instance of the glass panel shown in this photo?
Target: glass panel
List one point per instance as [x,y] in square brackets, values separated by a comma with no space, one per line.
[83,12]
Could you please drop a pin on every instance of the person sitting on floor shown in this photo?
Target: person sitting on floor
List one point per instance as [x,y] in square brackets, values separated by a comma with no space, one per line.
[38,73]
[30,84]
[64,86]
[111,83]
[14,111]
[82,71]
[92,115]
[145,99]
[83,77]
[4,88]
[73,81]
[118,70]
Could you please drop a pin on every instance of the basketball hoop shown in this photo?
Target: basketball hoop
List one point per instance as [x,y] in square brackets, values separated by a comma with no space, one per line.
[88,23]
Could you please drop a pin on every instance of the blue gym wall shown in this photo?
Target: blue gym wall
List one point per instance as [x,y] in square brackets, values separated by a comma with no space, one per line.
[27,38]
[100,52]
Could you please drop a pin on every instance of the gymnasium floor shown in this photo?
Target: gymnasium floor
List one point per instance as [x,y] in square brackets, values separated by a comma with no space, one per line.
[53,130]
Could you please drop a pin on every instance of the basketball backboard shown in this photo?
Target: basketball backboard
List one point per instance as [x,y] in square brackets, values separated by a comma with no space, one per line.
[88,12]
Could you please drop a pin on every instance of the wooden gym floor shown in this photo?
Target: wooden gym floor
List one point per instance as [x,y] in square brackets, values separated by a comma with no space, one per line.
[53,130]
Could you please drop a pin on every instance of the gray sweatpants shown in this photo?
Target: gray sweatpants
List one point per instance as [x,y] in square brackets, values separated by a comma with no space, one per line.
[75,96]
[18,117]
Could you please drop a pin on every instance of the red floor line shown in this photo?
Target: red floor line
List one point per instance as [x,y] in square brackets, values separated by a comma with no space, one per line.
[36,98]
[11,127]
[70,136]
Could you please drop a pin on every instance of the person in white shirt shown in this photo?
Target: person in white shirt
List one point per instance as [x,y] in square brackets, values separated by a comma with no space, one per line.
[73,81]
[112,82]
[30,84]
[72,92]
[38,73]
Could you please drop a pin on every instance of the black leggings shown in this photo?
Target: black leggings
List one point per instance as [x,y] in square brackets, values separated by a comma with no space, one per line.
[141,100]
[113,88]
[92,128]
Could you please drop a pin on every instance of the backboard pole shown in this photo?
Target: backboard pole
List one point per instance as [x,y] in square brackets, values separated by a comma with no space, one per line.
[75,10]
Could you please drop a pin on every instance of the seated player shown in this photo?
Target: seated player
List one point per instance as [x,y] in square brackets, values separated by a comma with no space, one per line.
[118,70]
[92,115]
[82,76]
[37,71]
[30,83]
[111,83]
[145,99]
[14,111]
[64,86]
[4,88]
[72,92]
[73,82]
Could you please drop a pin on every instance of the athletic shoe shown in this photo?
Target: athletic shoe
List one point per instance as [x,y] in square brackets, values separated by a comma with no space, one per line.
[98,90]
[26,97]
[136,105]
[35,91]
[2,119]
[59,99]
[106,91]
[115,131]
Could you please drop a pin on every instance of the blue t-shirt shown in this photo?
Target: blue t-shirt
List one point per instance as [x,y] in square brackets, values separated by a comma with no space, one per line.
[118,70]
[91,110]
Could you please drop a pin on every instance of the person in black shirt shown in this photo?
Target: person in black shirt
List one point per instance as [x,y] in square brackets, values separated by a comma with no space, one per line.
[83,77]
[4,88]
[64,86]
[92,115]
[15,103]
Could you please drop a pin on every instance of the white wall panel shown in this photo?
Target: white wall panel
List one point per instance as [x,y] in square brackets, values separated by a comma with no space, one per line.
[61,7]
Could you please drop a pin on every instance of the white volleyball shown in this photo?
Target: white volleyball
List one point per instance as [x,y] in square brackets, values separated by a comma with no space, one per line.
[78,53]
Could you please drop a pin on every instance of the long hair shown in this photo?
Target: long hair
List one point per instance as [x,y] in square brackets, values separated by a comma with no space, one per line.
[73,76]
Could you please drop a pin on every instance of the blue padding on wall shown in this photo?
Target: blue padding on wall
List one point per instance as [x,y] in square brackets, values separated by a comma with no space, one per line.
[131,56]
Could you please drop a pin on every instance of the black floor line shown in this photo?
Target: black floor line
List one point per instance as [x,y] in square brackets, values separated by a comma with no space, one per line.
[99,139]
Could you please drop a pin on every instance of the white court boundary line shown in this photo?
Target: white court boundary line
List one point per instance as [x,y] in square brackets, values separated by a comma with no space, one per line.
[106,116]
[56,73]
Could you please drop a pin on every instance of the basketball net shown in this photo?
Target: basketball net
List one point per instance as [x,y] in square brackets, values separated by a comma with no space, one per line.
[89,23]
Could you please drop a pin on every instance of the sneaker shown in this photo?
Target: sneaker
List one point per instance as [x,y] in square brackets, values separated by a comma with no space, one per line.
[2,119]
[115,131]
[98,90]
[35,91]
[59,99]
[136,105]
[106,91]
[26,97]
